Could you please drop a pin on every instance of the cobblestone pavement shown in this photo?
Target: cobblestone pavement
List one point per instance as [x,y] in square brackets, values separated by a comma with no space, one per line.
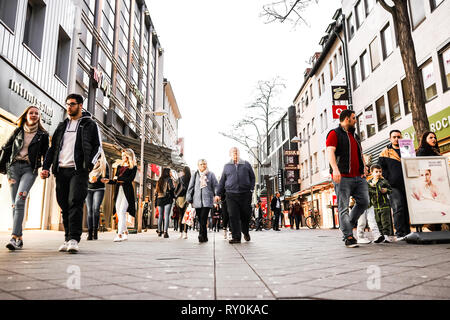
[291,264]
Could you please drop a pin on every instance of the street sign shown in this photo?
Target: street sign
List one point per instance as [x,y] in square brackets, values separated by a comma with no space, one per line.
[291,153]
[339,92]
[280,181]
[337,109]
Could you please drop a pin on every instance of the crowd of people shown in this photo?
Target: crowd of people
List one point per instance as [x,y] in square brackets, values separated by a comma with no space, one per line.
[76,159]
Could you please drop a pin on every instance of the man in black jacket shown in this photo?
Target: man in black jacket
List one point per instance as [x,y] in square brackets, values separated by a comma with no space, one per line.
[348,170]
[391,165]
[238,181]
[76,146]
[275,206]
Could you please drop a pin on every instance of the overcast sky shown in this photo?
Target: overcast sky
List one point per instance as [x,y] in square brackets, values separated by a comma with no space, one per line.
[215,54]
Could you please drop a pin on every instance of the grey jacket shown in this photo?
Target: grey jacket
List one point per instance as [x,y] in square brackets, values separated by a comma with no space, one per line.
[201,197]
[238,178]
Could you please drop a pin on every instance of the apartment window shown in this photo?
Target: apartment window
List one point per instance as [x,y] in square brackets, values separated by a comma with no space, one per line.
[306,99]
[319,87]
[304,134]
[370,126]
[316,164]
[331,70]
[394,105]
[429,82]
[406,96]
[417,11]
[62,55]
[374,54]
[34,26]
[355,76]
[323,81]
[369,6]
[364,62]
[386,41]
[381,113]
[340,58]
[311,91]
[359,13]
[335,64]
[8,10]
[435,4]
[444,60]
[307,130]
[325,119]
[321,122]
[359,120]
[324,157]
[313,127]
[350,26]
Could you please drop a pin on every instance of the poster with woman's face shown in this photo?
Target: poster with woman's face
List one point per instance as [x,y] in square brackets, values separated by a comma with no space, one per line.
[427,189]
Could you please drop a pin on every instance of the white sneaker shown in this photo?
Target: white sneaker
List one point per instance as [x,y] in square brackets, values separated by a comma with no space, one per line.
[118,238]
[72,247]
[185,235]
[225,234]
[387,239]
[124,236]
[63,247]
[364,241]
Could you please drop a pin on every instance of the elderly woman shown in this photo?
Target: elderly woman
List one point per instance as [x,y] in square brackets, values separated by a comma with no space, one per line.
[200,194]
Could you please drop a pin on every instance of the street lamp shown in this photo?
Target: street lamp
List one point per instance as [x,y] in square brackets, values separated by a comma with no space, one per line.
[141,171]
[298,140]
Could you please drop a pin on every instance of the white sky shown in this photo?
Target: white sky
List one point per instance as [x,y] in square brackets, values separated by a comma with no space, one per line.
[217,51]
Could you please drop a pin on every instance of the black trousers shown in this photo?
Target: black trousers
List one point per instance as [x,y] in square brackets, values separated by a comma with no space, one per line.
[400,212]
[202,214]
[71,191]
[225,215]
[276,219]
[298,220]
[240,210]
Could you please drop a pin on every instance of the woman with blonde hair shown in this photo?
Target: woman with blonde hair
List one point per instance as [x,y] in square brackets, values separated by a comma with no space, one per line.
[95,194]
[124,192]
[20,158]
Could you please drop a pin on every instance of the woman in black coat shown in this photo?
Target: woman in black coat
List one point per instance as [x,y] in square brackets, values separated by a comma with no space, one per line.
[20,158]
[428,145]
[180,199]
[124,199]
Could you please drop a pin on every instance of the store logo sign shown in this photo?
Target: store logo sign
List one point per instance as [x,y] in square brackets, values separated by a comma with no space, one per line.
[46,111]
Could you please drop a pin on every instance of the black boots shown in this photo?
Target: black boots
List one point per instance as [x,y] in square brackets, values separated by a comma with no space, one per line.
[95,234]
[92,234]
[89,234]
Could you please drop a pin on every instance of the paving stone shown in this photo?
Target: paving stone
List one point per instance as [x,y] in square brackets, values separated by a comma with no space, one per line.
[346,294]
[25,285]
[432,291]
[295,291]
[7,296]
[49,294]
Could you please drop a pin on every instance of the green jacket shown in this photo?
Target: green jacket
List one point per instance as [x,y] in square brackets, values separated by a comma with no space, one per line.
[378,199]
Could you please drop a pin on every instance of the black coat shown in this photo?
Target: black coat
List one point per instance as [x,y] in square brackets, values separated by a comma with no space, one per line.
[427,152]
[87,145]
[273,204]
[127,178]
[36,150]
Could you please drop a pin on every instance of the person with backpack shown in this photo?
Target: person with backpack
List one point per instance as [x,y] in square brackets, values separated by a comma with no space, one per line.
[20,158]
[200,193]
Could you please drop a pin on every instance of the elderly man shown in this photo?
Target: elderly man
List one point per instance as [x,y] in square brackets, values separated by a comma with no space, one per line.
[238,181]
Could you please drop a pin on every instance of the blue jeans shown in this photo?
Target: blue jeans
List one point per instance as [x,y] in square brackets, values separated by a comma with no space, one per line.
[24,178]
[94,199]
[357,188]
[164,212]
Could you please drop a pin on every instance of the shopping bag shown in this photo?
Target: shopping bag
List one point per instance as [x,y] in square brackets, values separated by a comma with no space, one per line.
[189,216]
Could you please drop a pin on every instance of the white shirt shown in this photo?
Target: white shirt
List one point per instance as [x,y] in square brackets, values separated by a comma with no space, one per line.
[67,153]
[278,203]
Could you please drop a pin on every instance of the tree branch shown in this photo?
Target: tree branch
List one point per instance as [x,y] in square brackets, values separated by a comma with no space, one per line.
[386,7]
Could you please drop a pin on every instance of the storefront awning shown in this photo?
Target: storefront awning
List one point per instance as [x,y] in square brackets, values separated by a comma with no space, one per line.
[159,155]
[317,186]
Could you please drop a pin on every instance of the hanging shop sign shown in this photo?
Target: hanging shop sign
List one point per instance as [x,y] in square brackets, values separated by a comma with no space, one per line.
[337,109]
[280,181]
[339,92]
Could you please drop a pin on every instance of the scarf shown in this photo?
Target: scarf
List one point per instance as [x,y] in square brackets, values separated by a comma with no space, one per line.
[203,178]
[30,129]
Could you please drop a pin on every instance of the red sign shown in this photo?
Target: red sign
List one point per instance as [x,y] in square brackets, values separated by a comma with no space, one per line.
[337,110]
[264,204]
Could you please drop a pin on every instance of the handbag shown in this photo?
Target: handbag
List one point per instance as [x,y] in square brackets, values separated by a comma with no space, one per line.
[181,201]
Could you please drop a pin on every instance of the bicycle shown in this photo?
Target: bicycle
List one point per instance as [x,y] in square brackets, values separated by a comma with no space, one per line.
[313,220]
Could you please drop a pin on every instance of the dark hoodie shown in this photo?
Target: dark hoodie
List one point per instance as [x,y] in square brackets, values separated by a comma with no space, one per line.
[87,145]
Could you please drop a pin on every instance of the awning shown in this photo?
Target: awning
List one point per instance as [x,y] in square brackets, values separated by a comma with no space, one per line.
[153,153]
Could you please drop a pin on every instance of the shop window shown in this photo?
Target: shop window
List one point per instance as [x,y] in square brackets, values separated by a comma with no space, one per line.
[406,96]
[370,125]
[381,113]
[428,80]
[444,60]
[8,10]
[62,55]
[34,26]
[394,105]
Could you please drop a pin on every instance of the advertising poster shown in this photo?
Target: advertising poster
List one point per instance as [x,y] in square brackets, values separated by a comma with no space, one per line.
[287,222]
[427,189]
[406,148]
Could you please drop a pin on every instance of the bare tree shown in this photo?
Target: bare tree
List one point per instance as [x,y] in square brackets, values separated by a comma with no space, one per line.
[282,10]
